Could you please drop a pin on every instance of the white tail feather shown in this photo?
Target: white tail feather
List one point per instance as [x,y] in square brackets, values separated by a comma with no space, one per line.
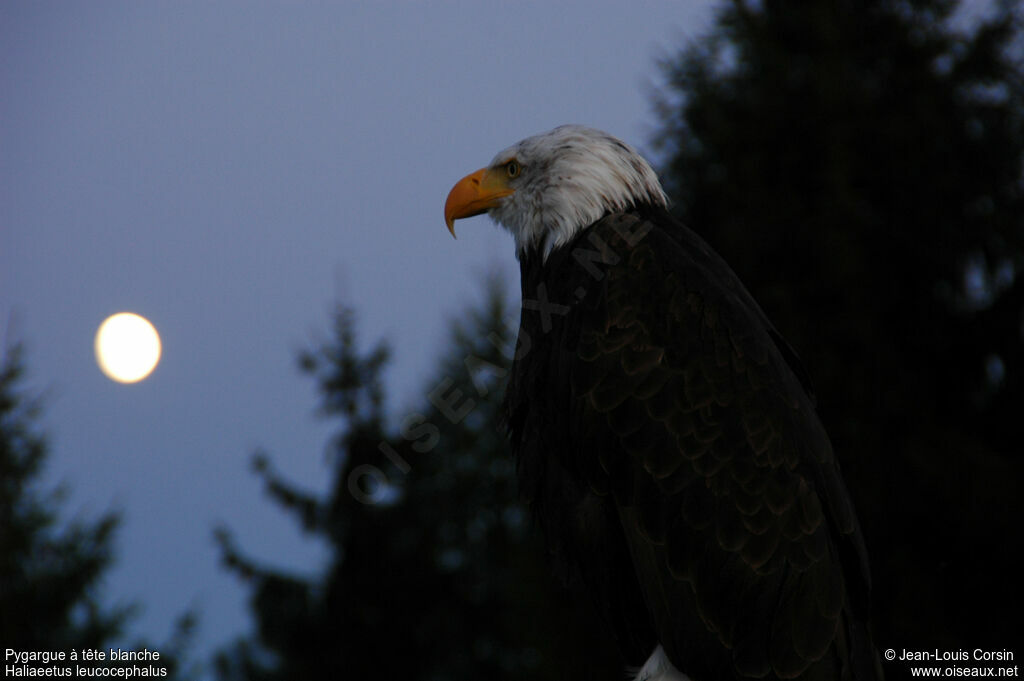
[659,668]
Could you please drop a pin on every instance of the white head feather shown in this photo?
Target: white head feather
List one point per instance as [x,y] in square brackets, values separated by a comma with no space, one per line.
[571,177]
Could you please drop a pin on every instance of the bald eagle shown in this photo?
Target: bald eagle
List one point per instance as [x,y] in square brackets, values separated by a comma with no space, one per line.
[665,434]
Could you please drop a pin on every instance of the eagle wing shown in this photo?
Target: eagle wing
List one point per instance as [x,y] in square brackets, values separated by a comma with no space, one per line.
[689,413]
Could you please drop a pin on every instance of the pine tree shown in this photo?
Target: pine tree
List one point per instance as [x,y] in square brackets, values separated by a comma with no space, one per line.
[48,572]
[436,571]
[860,166]
[51,569]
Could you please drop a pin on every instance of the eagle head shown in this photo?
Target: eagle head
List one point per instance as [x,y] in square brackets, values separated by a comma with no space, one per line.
[548,187]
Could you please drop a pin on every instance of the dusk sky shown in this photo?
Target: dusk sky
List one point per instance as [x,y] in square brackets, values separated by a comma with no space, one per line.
[230,170]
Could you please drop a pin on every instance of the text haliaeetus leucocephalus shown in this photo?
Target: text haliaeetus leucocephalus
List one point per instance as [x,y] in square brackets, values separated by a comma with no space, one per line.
[665,433]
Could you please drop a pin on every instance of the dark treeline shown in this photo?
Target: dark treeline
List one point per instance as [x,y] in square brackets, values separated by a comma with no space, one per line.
[861,166]
[52,567]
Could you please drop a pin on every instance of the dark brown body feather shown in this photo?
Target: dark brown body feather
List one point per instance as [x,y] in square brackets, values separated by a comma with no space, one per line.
[668,443]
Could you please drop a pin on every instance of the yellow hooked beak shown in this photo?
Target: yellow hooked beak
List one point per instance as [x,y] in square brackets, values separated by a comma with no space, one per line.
[475,194]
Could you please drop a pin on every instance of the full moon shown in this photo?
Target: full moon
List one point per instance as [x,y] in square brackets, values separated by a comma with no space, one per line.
[127,347]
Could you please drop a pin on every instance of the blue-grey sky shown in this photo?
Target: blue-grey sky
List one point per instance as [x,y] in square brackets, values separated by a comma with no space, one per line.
[229,170]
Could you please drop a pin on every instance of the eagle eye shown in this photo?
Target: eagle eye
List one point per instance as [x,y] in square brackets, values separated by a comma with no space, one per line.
[513,168]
